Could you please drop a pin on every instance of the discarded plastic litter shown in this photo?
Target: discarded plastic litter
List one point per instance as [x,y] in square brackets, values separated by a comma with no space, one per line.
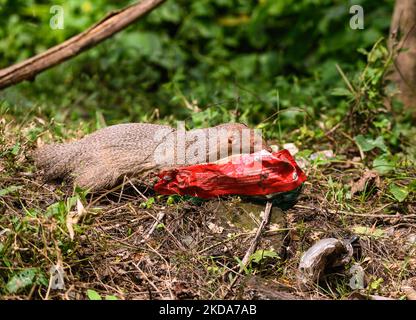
[258,174]
[326,253]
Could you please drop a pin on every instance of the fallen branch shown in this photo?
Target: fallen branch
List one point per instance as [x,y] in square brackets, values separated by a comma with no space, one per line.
[256,238]
[253,245]
[109,25]
[158,221]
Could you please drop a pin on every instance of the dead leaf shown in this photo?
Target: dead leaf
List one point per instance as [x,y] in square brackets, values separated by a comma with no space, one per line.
[324,154]
[39,142]
[183,290]
[214,228]
[73,217]
[291,147]
[369,177]
[410,292]
[409,288]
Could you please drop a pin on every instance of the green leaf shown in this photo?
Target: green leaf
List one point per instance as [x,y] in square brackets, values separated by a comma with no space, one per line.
[148,204]
[93,295]
[21,280]
[341,92]
[384,164]
[262,254]
[10,189]
[15,149]
[379,143]
[376,283]
[367,231]
[399,193]
[111,298]
[368,144]
[170,200]
[412,186]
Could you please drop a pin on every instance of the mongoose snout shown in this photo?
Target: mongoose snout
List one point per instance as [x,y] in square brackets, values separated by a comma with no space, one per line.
[101,159]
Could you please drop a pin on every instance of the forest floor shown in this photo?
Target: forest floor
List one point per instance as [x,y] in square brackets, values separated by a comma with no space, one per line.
[120,249]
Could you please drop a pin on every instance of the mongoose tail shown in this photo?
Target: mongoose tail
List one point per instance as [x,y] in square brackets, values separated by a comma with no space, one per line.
[56,160]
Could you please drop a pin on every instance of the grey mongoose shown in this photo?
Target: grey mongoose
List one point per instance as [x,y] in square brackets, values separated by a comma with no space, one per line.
[101,159]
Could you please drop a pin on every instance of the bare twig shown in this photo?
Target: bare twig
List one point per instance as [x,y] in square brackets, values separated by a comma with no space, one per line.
[137,190]
[256,239]
[148,280]
[158,219]
[253,245]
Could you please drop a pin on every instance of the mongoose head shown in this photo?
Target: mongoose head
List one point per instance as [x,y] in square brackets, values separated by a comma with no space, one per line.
[237,134]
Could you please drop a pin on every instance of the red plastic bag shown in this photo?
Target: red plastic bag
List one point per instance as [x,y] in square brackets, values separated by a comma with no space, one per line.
[260,173]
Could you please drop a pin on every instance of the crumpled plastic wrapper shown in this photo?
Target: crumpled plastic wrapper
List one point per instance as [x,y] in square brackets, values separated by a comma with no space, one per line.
[324,254]
[257,174]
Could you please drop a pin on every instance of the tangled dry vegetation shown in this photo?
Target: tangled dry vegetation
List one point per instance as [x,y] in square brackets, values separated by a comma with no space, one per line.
[132,244]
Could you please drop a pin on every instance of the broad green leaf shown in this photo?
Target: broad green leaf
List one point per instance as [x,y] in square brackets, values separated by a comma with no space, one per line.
[262,254]
[21,280]
[368,144]
[384,164]
[93,295]
[379,143]
[399,193]
[111,298]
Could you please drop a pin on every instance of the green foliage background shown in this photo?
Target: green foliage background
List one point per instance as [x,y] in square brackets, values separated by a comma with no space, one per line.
[236,55]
